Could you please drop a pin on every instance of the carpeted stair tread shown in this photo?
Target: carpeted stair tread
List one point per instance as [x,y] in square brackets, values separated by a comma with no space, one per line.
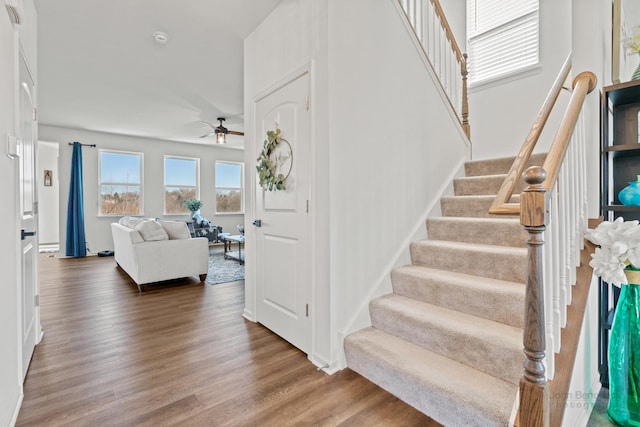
[497,300]
[483,185]
[498,166]
[450,392]
[505,231]
[497,262]
[472,206]
[491,347]
[448,340]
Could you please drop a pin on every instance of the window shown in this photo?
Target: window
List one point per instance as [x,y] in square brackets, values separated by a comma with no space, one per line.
[120,183]
[229,187]
[503,37]
[180,183]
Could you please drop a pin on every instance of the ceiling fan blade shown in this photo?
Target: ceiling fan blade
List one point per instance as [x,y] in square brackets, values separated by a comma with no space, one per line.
[207,123]
[209,134]
[235,132]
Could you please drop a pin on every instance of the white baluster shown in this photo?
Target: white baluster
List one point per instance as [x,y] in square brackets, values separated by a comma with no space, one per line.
[547,262]
[416,16]
[431,43]
[554,241]
[563,214]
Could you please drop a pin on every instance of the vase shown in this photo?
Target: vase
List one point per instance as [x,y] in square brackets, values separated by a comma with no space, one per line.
[636,73]
[630,195]
[624,355]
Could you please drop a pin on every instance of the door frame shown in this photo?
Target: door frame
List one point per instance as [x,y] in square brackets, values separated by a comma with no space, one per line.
[251,150]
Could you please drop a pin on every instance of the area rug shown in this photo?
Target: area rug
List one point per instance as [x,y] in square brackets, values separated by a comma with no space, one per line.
[223,270]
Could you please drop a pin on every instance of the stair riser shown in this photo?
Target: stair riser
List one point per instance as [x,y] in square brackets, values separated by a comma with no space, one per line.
[503,305]
[443,402]
[476,186]
[503,233]
[505,265]
[500,359]
[470,207]
[498,166]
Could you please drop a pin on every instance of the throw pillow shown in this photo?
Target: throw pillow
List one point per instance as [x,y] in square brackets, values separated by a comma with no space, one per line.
[130,221]
[151,230]
[176,229]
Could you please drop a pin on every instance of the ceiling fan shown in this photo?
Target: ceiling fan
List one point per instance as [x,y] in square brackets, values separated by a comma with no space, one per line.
[220,131]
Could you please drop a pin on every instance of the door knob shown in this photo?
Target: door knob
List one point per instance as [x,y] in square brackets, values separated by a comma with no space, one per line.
[257,223]
[24,234]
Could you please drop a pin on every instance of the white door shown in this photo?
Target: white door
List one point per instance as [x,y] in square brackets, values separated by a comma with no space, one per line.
[283,248]
[28,214]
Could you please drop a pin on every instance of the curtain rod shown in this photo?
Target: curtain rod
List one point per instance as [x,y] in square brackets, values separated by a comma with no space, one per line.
[84,145]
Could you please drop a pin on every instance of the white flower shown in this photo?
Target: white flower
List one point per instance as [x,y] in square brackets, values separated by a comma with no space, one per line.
[608,267]
[619,243]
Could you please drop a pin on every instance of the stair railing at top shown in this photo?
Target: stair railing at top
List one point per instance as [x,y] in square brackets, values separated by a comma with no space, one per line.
[554,205]
[439,45]
[501,205]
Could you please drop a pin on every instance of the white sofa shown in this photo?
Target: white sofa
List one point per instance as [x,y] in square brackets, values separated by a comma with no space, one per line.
[152,251]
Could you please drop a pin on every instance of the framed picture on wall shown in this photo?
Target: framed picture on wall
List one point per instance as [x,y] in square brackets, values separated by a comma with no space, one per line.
[617,51]
[624,62]
[48,178]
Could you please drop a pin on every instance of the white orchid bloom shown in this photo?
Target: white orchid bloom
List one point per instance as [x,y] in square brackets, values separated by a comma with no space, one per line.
[619,243]
[608,267]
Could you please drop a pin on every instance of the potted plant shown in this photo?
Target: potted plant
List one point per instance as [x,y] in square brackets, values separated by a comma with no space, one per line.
[193,205]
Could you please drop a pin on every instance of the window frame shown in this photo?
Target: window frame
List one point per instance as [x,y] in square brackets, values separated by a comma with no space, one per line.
[241,188]
[100,183]
[164,178]
[496,32]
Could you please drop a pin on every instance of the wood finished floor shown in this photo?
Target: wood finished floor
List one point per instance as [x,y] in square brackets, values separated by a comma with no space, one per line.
[180,354]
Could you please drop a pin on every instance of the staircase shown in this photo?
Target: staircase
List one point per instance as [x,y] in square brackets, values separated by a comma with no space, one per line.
[448,340]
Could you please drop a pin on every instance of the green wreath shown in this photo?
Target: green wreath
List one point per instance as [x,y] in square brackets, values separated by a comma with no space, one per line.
[267,167]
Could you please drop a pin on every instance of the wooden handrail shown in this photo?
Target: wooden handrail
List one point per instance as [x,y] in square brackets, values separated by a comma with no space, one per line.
[501,205]
[583,84]
[447,29]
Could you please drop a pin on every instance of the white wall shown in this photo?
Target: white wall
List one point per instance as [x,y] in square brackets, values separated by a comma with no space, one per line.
[10,303]
[591,44]
[48,197]
[501,114]
[379,127]
[292,36]
[97,229]
[585,380]
[395,147]
[456,13]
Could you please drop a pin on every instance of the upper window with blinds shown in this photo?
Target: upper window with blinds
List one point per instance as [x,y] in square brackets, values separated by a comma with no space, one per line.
[503,37]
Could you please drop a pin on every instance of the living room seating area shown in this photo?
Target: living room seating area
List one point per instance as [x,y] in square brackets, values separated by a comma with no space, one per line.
[151,250]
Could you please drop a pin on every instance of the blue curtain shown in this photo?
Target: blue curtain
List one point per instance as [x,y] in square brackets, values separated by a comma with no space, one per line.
[76,243]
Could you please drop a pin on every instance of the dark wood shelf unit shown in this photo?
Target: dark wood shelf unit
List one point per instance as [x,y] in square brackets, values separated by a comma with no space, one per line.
[620,208]
[625,147]
[619,165]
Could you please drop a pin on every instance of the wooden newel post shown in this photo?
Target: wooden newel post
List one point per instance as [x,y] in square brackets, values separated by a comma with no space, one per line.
[534,394]
[465,97]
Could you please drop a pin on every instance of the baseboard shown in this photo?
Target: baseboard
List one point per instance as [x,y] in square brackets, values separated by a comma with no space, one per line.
[247,314]
[324,366]
[16,410]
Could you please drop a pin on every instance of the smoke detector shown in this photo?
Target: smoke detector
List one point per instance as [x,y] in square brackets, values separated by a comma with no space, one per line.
[160,37]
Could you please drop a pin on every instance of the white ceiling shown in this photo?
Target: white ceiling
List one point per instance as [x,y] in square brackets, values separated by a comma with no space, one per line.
[100,69]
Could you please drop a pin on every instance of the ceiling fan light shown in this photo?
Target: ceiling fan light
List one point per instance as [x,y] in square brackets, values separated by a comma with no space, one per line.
[221,138]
